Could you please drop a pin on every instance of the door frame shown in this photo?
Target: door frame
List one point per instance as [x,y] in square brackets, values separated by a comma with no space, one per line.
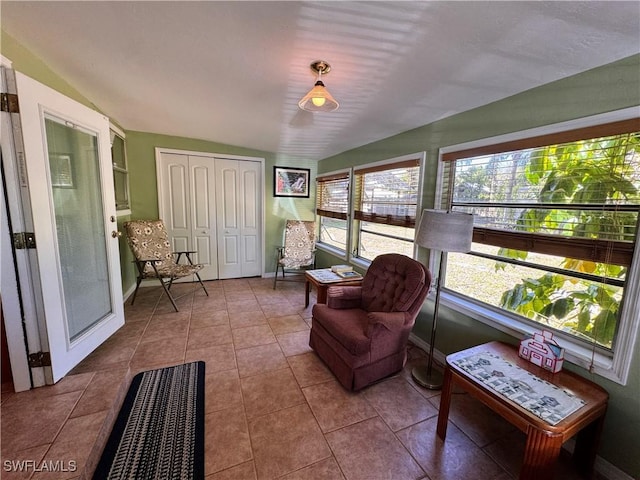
[20,272]
[212,155]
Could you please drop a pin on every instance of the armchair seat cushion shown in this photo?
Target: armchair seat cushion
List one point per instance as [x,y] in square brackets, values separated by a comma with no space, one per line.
[347,326]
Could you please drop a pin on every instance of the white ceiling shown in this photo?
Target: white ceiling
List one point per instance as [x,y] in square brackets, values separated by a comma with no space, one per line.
[233,72]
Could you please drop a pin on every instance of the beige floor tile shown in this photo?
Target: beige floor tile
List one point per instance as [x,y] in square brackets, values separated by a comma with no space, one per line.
[165,329]
[169,351]
[398,403]
[209,336]
[226,439]
[456,458]
[247,319]
[73,446]
[295,343]
[30,418]
[270,391]
[280,309]
[287,324]
[286,441]
[243,306]
[263,358]
[217,358]
[327,469]
[14,464]
[101,393]
[222,390]
[369,450]
[477,421]
[334,407]
[209,318]
[309,369]
[244,471]
[252,336]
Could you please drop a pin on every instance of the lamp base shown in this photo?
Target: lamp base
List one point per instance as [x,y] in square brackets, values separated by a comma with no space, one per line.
[432,381]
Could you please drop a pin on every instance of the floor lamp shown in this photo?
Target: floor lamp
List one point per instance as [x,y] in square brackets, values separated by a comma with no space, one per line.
[445,232]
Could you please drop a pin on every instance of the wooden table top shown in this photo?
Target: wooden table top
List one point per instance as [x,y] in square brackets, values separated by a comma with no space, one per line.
[594,396]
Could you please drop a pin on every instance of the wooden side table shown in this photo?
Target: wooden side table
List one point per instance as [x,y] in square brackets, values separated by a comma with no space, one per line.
[544,441]
[322,279]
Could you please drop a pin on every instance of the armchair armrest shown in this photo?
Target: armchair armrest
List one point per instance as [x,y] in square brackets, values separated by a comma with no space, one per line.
[389,320]
[344,297]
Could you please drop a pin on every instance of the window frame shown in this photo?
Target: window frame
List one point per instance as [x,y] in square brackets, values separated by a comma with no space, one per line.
[354,223]
[613,366]
[352,235]
[117,132]
[343,254]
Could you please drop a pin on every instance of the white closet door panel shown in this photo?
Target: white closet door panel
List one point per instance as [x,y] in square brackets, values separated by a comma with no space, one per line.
[228,202]
[202,192]
[180,243]
[203,215]
[251,195]
[230,199]
[250,249]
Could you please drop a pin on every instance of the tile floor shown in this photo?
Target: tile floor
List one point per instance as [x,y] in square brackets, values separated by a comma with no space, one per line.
[272,408]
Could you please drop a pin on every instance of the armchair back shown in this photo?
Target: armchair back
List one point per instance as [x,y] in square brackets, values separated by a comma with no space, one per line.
[395,283]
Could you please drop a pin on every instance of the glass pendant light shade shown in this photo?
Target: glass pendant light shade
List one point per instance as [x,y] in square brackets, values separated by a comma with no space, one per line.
[319,99]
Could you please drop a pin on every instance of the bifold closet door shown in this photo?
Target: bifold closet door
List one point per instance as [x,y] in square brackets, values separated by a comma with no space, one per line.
[239,201]
[188,207]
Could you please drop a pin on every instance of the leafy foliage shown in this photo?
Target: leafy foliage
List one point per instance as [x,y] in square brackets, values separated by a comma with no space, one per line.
[596,172]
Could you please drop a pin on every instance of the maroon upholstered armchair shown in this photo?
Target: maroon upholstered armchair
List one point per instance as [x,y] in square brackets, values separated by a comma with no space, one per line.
[362,332]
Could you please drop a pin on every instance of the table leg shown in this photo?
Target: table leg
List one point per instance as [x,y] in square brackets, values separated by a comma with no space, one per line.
[322,293]
[540,454]
[307,288]
[584,454]
[445,402]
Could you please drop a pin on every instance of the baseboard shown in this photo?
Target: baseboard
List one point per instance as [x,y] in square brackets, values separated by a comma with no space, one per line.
[602,467]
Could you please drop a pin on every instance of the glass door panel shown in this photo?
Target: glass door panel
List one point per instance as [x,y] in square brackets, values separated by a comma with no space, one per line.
[80,231]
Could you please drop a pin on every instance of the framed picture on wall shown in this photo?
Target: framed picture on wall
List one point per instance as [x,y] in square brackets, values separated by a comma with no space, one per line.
[291,182]
[61,170]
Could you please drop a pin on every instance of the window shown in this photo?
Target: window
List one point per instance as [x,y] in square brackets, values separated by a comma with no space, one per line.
[120,172]
[332,206]
[386,199]
[555,231]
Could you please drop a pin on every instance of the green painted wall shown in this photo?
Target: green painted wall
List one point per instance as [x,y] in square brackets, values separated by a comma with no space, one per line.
[144,194]
[141,159]
[611,87]
[603,89]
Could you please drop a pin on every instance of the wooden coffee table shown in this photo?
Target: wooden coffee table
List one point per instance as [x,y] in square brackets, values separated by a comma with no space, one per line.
[544,441]
[322,279]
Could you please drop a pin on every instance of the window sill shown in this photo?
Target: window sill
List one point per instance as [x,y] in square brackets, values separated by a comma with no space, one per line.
[332,250]
[575,352]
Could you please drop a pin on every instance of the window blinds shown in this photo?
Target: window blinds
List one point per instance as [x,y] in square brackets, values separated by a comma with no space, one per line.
[332,195]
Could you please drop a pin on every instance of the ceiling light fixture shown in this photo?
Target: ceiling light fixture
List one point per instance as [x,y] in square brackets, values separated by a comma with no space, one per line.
[319,99]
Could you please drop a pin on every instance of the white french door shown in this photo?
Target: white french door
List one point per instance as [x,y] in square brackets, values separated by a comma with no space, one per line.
[70,183]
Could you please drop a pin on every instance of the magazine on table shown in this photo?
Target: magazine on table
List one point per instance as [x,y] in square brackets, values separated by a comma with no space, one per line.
[349,274]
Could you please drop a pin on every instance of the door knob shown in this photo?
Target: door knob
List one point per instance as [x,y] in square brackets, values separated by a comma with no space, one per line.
[116,234]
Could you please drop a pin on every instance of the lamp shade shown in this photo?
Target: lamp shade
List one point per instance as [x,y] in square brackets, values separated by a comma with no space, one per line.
[445,231]
[318,100]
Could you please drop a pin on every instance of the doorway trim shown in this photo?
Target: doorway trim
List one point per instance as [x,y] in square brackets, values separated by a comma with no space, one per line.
[213,155]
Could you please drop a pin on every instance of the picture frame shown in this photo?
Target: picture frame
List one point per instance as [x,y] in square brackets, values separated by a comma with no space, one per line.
[61,168]
[291,182]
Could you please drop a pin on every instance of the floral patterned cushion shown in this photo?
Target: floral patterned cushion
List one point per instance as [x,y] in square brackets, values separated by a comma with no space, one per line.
[299,244]
[149,240]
